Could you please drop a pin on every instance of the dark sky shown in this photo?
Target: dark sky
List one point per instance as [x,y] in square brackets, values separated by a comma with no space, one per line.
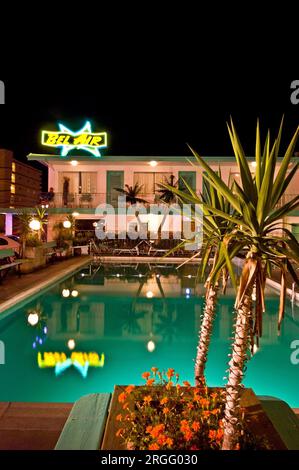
[146,111]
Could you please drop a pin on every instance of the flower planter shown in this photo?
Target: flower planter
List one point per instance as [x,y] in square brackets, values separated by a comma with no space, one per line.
[257,421]
[36,258]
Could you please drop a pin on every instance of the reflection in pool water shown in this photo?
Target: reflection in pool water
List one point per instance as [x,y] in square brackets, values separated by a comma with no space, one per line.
[132,318]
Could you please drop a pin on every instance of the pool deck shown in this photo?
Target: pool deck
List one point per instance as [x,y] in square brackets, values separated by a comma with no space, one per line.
[14,289]
[31,426]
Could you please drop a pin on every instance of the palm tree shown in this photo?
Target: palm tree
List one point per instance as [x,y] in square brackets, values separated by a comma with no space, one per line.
[131,193]
[167,194]
[259,229]
[216,230]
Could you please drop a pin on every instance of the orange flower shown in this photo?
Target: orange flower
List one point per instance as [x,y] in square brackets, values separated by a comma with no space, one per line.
[119,417]
[195,426]
[125,406]
[186,383]
[119,432]
[149,429]
[184,425]
[153,446]
[212,434]
[129,388]
[170,373]
[215,411]
[150,381]
[188,435]
[161,440]
[204,402]
[145,375]
[154,370]
[164,401]
[158,429]
[169,385]
[147,399]
[169,441]
[122,397]
[165,410]
[206,413]
[190,406]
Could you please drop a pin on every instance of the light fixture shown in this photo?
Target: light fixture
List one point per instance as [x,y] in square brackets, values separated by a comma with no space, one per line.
[253,164]
[45,330]
[158,275]
[33,319]
[149,294]
[74,293]
[95,224]
[153,163]
[75,214]
[139,275]
[67,224]
[117,275]
[74,162]
[151,346]
[189,276]
[188,291]
[65,293]
[34,224]
[71,344]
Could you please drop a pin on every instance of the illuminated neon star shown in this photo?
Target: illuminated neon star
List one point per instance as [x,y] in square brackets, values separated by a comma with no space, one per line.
[86,129]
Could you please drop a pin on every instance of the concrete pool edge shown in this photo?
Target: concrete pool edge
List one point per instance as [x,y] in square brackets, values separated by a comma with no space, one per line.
[14,302]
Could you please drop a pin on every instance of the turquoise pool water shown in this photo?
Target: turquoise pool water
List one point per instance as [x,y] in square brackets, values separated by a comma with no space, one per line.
[133,317]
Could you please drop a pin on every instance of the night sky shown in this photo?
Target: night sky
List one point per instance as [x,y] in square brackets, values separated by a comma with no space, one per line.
[146,111]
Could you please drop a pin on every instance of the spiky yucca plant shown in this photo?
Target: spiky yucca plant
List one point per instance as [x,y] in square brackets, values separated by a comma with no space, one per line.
[259,229]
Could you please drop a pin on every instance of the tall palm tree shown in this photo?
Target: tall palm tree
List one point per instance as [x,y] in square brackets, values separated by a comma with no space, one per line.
[131,193]
[216,230]
[259,229]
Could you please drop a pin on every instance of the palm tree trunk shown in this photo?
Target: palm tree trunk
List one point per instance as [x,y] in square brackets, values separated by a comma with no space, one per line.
[205,333]
[232,413]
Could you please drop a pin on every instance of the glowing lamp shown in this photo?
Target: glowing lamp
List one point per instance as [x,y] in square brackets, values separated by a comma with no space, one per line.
[34,224]
[149,294]
[33,319]
[67,224]
[65,293]
[74,163]
[253,164]
[75,214]
[71,344]
[151,346]
[153,163]
[74,293]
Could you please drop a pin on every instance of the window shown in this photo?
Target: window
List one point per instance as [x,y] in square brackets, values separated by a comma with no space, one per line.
[13,178]
[12,189]
[150,180]
[13,167]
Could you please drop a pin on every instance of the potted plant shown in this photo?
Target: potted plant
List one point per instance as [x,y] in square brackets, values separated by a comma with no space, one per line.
[85,198]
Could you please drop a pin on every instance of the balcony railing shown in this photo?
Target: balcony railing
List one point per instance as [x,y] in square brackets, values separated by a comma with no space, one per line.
[90,200]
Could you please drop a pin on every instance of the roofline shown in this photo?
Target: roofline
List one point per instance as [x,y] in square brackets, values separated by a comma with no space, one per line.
[50,158]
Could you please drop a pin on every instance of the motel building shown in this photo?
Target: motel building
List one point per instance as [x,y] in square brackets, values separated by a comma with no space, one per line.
[83,177]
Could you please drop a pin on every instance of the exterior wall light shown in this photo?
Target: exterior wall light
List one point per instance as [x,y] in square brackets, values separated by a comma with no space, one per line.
[67,224]
[34,224]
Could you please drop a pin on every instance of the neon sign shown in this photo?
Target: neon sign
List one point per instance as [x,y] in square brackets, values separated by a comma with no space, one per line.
[68,140]
[60,362]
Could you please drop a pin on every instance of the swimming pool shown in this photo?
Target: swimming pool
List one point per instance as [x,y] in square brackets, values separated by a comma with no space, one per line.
[133,317]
